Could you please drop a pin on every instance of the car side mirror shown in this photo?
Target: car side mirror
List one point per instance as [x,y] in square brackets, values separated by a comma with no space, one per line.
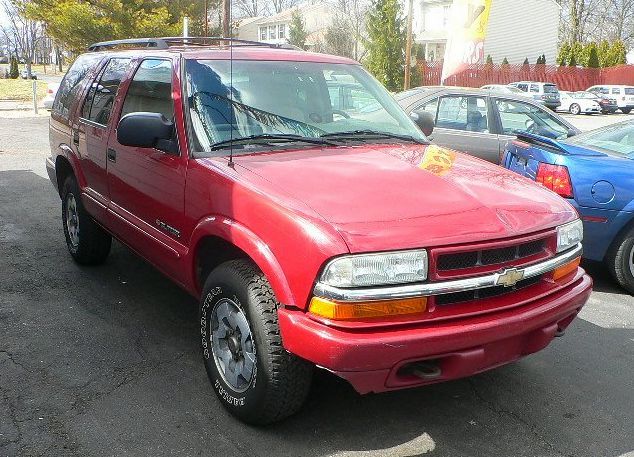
[147,130]
[571,133]
[424,120]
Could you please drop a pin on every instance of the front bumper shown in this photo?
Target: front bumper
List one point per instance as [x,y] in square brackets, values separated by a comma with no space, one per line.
[375,360]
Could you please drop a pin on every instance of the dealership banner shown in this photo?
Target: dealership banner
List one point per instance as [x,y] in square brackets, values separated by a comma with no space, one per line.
[467,29]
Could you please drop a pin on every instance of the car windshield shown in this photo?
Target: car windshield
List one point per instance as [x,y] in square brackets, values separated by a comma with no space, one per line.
[584,95]
[230,101]
[616,139]
[550,89]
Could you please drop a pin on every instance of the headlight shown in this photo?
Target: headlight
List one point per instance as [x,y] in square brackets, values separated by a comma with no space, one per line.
[376,269]
[569,235]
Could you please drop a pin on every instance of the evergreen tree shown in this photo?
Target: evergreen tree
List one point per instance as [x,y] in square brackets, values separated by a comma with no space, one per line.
[617,54]
[526,62]
[573,61]
[386,43]
[544,59]
[593,57]
[564,54]
[489,60]
[14,72]
[297,33]
[505,61]
[603,50]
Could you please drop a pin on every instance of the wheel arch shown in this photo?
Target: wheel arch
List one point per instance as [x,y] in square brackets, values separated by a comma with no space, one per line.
[217,240]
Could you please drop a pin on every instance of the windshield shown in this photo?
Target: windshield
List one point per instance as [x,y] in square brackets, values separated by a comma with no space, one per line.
[249,99]
[617,139]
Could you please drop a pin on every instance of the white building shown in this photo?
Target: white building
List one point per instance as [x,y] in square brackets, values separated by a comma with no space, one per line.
[274,29]
[517,29]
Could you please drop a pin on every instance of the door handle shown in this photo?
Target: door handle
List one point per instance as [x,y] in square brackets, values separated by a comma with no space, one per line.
[112,155]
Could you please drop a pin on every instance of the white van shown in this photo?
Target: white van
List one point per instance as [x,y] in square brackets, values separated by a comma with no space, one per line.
[624,95]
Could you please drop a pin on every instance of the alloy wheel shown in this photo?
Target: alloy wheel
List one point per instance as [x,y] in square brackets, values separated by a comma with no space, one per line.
[72,220]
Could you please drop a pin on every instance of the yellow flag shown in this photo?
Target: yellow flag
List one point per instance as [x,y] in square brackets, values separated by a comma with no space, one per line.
[467,30]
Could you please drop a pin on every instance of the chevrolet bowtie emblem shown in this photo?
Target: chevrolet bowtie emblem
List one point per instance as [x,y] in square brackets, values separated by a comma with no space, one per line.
[510,277]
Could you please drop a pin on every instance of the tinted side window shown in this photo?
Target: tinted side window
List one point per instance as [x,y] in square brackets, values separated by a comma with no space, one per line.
[71,83]
[101,97]
[151,89]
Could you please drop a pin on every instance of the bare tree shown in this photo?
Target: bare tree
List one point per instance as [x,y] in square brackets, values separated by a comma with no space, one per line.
[351,16]
[596,20]
[23,35]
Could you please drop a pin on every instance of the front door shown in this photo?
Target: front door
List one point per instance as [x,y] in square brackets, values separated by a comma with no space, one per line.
[147,186]
[91,134]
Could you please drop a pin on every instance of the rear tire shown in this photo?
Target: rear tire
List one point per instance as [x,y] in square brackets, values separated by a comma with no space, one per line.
[620,261]
[87,242]
[626,110]
[575,109]
[254,377]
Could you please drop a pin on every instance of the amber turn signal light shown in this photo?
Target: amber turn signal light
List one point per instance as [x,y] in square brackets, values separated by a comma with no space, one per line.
[361,310]
[566,269]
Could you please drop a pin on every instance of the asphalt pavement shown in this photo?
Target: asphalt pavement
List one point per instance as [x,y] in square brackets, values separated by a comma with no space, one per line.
[104,361]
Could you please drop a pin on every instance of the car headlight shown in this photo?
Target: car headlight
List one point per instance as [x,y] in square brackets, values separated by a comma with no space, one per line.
[376,269]
[569,235]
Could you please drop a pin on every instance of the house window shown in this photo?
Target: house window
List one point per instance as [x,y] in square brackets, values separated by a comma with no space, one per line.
[281,31]
[272,32]
[263,33]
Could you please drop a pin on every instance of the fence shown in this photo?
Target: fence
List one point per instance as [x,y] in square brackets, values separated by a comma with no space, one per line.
[566,78]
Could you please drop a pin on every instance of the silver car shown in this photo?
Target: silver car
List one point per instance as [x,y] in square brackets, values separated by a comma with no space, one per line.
[481,122]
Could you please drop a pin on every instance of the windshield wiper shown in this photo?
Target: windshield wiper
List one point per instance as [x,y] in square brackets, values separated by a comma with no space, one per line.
[270,138]
[365,134]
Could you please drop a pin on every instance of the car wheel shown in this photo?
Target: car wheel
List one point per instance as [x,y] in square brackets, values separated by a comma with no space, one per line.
[626,110]
[87,242]
[620,261]
[254,377]
[575,109]
[605,112]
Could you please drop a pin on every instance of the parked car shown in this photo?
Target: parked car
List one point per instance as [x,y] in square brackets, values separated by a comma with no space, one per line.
[607,103]
[594,172]
[624,95]
[312,235]
[51,91]
[506,89]
[482,122]
[545,92]
[25,74]
[579,103]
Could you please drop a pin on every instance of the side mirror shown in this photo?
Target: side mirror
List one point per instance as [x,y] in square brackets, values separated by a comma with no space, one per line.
[571,133]
[424,120]
[147,130]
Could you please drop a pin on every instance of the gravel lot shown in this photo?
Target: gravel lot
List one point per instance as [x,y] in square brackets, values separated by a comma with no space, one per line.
[105,361]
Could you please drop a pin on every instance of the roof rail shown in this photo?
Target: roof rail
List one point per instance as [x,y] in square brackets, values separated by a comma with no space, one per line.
[167,42]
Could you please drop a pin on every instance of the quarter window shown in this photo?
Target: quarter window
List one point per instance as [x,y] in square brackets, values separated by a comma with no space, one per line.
[151,89]
[98,103]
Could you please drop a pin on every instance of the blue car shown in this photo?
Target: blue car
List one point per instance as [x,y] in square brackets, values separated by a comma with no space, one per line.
[594,171]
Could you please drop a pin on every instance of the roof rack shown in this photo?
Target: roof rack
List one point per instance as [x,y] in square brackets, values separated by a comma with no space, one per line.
[167,42]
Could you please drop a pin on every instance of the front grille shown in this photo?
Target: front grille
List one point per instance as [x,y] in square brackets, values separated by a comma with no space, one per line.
[487,292]
[463,260]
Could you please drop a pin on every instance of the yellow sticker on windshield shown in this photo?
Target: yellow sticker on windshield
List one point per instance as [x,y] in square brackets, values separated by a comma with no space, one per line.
[437,160]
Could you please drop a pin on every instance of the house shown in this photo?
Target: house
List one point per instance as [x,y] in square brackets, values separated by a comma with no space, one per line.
[517,29]
[274,29]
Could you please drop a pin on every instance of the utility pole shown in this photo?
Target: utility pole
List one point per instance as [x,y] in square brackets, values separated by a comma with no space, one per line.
[226,17]
[206,19]
[408,48]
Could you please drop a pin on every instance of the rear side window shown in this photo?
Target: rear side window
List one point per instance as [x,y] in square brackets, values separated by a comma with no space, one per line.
[616,90]
[523,87]
[72,83]
[629,91]
[535,88]
[151,89]
[98,103]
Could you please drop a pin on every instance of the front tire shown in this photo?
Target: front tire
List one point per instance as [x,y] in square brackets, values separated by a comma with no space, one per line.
[620,260]
[575,109]
[255,379]
[626,110]
[87,242]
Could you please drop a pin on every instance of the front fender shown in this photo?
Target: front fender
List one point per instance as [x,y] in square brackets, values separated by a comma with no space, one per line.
[251,244]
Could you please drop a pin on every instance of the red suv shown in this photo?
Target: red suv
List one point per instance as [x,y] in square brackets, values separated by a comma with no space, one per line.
[291,194]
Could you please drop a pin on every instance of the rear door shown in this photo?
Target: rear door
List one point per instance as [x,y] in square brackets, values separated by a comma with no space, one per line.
[93,128]
[463,123]
[147,185]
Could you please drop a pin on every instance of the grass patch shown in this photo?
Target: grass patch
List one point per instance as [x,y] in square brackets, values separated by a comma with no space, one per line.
[20,90]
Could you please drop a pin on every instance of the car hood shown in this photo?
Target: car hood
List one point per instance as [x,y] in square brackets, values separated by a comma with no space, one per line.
[384,197]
